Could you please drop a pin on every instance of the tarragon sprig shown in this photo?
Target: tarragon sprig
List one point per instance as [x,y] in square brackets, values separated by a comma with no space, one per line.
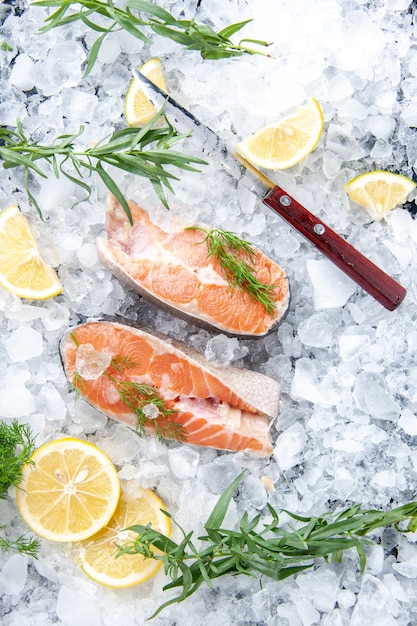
[189,33]
[273,550]
[145,152]
[236,257]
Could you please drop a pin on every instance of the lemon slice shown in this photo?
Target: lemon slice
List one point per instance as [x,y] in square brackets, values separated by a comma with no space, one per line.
[69,491]
[379,192]
[287,142]
[23,272]
[138,109]
[98,556]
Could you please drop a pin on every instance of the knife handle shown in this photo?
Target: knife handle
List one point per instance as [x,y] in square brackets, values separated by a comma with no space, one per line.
[377,283]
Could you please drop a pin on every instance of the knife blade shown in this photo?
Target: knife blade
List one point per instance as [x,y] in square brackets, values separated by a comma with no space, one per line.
[353,263]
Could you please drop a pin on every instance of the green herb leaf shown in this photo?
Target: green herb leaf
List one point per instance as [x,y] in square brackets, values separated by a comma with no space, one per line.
[126,149]
[236,257]
[142,399]
[16,447]
[22,544]
[273,551]
[188,33]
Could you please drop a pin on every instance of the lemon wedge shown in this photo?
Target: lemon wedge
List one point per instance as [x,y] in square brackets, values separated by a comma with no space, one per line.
[379,191]
[98,555]
[23,272]
[287,142]
[138,109]
[70,490]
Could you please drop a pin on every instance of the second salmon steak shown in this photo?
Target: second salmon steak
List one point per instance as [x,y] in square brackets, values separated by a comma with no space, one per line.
[165,388]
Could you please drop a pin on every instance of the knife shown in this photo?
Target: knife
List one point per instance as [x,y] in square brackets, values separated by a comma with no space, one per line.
[359,268]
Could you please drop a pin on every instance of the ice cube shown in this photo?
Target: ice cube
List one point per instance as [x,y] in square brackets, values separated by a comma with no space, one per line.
[91,363]
[224,349]
[24,343]
[22,74]
[52,403]
[289,446]
[76,609]
[13,574]
[320,329]
[371,395]
[332,287]
[16,401]
[183,462]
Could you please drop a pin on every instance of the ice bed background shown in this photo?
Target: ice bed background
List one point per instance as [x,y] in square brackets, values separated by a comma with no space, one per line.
[347,429]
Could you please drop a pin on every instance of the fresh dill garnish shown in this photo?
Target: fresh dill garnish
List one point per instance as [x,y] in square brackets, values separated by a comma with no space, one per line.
[78,383]
[16,447]
[17,444]
[236,257]
[111,18]
[272,550]
[141,396]
[122,363]
[142,399]
[22,544]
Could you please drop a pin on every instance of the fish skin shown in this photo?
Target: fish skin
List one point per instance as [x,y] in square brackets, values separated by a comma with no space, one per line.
[247,422]
[201,293]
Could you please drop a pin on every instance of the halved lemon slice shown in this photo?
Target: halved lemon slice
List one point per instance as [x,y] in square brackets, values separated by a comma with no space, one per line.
[379,191]
[70,490]
[98,555]
[287,142]
[138,109]
[22,269]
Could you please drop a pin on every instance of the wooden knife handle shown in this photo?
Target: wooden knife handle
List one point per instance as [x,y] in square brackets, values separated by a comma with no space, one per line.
[370,277]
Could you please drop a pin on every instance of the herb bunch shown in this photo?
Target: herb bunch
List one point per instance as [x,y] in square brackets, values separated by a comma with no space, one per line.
[144,152]
[16,447]
[273,551]
[189,33]
[236,257]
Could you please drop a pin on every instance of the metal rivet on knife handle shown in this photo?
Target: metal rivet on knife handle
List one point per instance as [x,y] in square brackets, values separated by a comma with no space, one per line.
[285,200]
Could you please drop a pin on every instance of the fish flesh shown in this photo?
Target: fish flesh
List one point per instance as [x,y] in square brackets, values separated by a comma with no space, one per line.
[215,405]
[174,270]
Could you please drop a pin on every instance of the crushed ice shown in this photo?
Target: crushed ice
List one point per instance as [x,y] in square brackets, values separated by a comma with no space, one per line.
[347,430]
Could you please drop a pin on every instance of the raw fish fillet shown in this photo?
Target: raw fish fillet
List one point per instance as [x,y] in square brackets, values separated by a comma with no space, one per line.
[174,270]
[219,406]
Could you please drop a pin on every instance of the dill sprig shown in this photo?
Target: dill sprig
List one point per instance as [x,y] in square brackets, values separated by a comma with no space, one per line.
[137,396]
[272,550]
[16,447]
[22,544]
[111,18]
[236,257]
[144,152]
[17,444]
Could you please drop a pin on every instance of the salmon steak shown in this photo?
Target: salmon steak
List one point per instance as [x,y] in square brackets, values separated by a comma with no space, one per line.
[165,388]
[176,271]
